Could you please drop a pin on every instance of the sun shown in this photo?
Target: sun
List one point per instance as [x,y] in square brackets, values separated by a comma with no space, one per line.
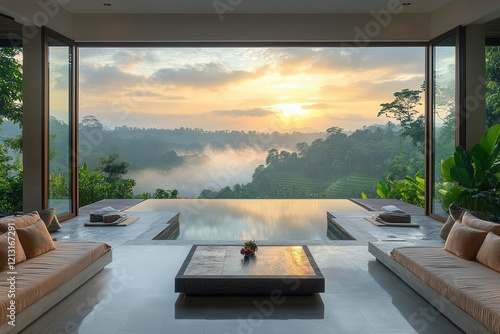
[291,109]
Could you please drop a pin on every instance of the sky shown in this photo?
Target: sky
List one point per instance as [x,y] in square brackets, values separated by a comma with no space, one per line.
[261,89]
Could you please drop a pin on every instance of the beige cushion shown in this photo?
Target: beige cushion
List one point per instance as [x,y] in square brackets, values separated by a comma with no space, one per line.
[12,240]
[469,285]
[18,221]
[489,253]
[35,239]
[456,213]
[484,225]
[464,241]
[49,217]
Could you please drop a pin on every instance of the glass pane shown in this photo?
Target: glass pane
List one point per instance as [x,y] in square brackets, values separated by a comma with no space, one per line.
[443,113]
[60,64]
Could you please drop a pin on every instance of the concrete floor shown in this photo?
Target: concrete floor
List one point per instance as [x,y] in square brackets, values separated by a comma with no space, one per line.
[135,293]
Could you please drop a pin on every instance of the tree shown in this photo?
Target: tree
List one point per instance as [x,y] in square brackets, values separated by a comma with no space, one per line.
[403,110]
[90,122]
[11,86]
[11,93]
[492,85]
[113,168]
[11,97]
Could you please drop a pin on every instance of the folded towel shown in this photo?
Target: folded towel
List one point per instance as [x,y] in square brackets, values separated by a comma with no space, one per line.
[113,217]
[98,215]
[395,217]
[392,208]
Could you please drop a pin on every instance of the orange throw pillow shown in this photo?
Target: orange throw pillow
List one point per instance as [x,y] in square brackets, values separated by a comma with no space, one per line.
[464,241]
[12,240]
[35,239]
[489,253]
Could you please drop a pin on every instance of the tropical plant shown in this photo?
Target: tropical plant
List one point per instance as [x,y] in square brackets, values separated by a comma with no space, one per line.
[476,174]
[411,190]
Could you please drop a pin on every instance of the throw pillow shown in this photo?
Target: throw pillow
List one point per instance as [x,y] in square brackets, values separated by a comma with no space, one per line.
[35,239]
[18,221]
[464,241]
[484,225]
[456,214]
[49,217]
[489,253]
[12,240]
[446,228]
[55,225]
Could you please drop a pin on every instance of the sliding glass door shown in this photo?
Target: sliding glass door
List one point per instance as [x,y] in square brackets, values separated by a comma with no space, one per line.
[60,119]
[443,119]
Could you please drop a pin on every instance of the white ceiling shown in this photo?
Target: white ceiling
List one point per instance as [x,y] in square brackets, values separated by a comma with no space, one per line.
[247,6]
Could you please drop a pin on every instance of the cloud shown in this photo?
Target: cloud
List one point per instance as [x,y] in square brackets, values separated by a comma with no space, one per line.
[209,75]
[107,79]
[317,106]
[256,112]
[147,93]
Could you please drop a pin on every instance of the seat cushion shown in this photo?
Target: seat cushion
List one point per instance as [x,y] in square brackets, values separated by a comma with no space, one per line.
[469,285]
[39,276]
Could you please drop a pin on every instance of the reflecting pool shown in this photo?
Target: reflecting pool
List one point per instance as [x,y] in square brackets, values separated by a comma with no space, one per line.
[245,219]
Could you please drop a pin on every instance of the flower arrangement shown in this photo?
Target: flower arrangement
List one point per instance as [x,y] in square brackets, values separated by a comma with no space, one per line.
[249,248]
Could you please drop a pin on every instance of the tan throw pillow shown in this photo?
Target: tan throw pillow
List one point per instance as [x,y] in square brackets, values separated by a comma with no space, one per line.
[10,240]
[49,217]
[456,213]
[35,239]
[18,221]
[483,225]
[464,241]
[489,253]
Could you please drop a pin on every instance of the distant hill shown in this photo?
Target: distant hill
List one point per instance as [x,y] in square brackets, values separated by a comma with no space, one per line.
[9,129]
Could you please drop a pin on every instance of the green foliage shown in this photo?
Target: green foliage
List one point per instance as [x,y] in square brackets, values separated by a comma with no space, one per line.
[492,85]
[476,174]
[410,189]
[161,194]
[11,182]
[112,168]
[95,186]
[11,85]
[59,186]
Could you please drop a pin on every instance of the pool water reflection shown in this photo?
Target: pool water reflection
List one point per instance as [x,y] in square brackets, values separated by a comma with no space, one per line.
[245,219]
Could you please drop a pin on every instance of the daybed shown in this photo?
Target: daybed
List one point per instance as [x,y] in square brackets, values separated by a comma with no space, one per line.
[45,271]
[461,279]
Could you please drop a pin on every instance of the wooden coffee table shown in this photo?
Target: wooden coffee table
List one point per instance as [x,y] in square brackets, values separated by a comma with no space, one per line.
[222,270]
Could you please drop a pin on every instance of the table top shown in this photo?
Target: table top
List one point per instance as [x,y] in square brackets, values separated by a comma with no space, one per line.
[279,261]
